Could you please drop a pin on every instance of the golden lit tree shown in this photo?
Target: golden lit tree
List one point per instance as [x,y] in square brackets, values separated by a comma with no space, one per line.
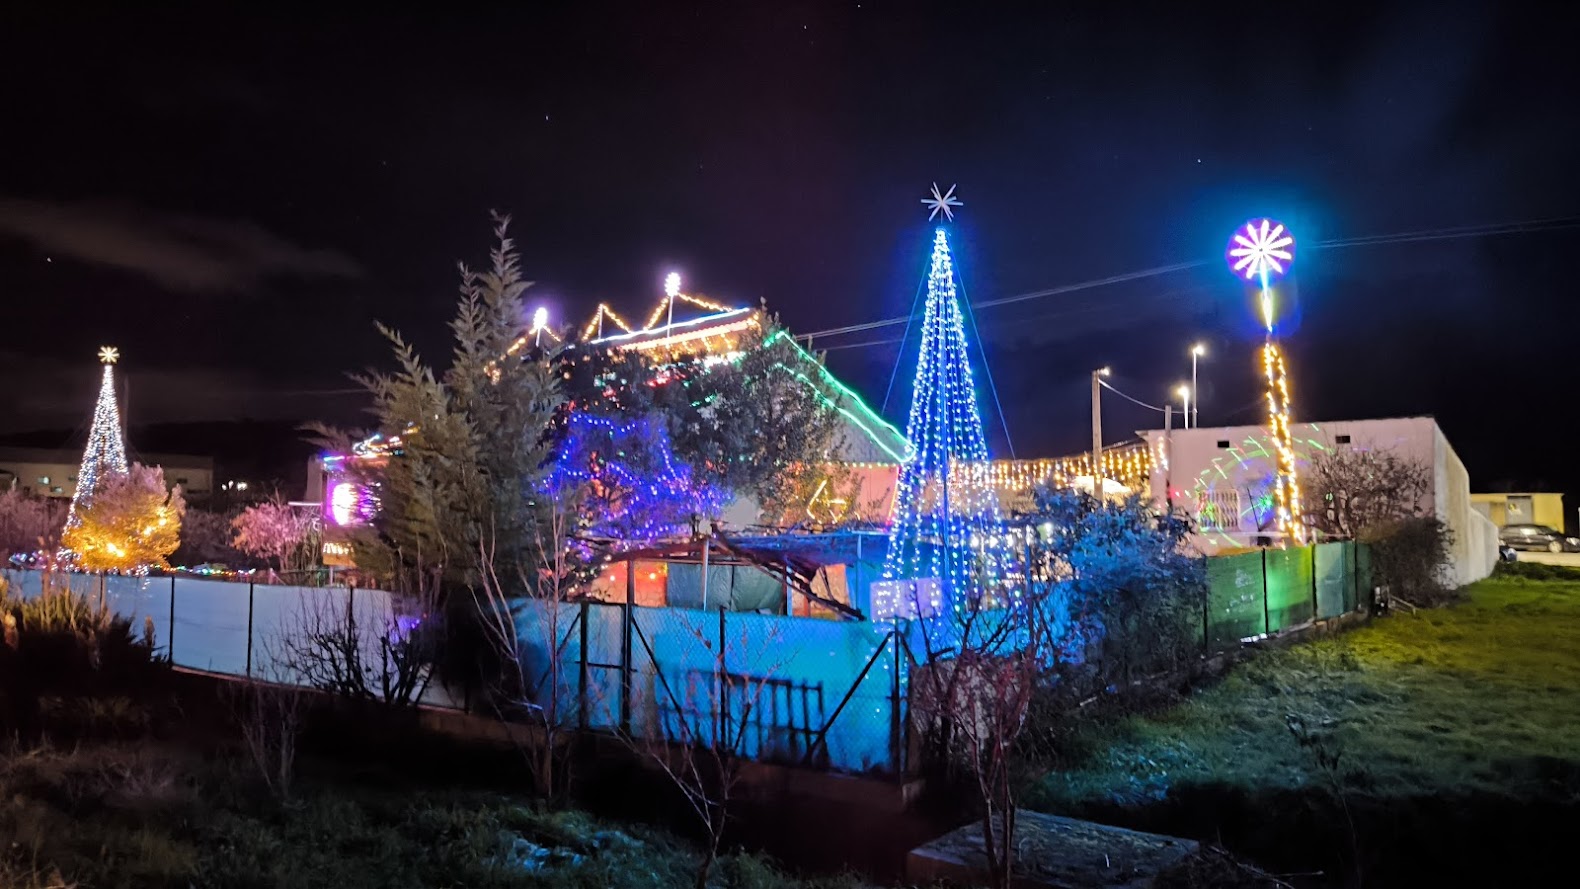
[131,523]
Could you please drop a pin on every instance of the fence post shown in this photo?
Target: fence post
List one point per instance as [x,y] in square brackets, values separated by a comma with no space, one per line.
[102,581]
[896,754]
[627,620]
[249,627]
[1267,614]
[1355,573]
[170,631]
[720,736]
[1206,621]
[1316,606]
[351,600]
[581,673]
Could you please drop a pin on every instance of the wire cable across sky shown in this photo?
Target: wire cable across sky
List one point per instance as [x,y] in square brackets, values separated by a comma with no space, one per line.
[1528,226]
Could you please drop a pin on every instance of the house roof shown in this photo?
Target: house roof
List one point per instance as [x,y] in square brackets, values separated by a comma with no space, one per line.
[877,440]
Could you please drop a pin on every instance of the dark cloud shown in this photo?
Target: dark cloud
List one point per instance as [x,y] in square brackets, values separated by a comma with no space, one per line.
[62,392]
[184,253]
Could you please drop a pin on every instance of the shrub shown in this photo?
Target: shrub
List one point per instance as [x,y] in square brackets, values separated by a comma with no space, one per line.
[62,645]
[1411,557]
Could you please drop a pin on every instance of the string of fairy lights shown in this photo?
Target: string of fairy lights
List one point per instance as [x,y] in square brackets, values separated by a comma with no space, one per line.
[945,522]
[1259,251]
[106,450]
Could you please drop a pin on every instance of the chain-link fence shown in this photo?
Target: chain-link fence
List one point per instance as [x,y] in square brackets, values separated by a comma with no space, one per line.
[800,691]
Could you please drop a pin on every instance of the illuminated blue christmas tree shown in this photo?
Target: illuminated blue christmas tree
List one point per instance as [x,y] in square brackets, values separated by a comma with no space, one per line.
[945,523]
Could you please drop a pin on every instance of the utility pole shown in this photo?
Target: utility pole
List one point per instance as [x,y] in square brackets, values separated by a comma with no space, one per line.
[1168,448]
[1193,418]
[1097,433]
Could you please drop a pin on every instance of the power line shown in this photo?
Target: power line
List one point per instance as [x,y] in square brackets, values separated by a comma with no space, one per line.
[1557,223]
[1110,388]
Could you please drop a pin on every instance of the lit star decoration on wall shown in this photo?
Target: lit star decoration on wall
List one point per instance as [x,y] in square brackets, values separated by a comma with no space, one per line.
[1259,251]
[945,522]
[941,203]
[106,452]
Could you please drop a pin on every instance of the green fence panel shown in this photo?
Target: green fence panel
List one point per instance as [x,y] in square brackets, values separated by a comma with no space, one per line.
[1234,599]
[1335,583]
[1289,589]
[1361,589]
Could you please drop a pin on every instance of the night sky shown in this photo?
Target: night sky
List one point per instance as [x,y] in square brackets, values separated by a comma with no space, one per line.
[233,201]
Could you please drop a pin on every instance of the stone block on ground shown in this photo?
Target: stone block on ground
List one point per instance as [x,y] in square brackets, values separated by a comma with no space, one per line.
[1053,852]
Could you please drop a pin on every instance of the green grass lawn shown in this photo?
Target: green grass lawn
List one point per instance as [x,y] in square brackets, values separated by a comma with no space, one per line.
[1449,725]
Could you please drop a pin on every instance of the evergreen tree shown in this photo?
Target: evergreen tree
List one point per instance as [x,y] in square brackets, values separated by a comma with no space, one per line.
[473,438]
[748,426]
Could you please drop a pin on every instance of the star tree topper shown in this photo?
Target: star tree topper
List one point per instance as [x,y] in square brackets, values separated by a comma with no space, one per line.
[109,354]
[941,203]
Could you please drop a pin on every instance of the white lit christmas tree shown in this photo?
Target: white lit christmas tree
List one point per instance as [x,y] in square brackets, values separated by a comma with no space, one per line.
[945,524]
[106,452]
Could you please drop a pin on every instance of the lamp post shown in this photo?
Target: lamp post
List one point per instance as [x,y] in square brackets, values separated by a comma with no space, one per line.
[1191,419]
[1184,393]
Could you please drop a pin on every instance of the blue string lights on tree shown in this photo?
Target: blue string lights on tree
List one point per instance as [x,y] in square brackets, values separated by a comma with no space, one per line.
[946,538]
[632,484]
[106,453]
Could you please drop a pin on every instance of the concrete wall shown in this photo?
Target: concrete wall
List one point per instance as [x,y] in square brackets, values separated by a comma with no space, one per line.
[1222,476]
[1474,546]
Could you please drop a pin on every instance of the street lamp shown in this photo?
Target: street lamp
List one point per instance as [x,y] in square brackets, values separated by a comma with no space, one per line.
[1184,394]
[1196,352]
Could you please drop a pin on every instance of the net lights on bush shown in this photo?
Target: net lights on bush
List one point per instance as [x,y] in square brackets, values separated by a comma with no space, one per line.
[658,502]
[945,522]
[106,451]
[1260,251]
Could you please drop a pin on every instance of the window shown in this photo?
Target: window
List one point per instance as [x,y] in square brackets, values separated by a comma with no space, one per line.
[181,481]
[56,490]
[1223,443]
[1342,439]
[1219,510]
[43,479]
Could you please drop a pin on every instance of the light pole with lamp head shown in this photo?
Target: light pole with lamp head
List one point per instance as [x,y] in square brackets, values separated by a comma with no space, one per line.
[1184,393]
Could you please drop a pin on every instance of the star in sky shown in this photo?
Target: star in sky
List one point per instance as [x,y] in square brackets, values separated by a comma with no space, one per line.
[109,354]
[941,203]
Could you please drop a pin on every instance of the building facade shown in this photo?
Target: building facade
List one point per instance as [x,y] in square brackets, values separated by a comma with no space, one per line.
[1527,508]
[1223,477]
[53,473]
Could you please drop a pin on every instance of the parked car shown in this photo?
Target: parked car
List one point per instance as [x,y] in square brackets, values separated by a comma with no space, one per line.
[1538,537]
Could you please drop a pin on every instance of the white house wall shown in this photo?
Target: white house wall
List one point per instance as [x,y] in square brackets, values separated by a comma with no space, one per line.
[1195,471]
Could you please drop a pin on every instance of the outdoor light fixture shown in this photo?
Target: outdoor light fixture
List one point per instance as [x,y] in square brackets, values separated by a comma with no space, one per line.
[1259,251]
